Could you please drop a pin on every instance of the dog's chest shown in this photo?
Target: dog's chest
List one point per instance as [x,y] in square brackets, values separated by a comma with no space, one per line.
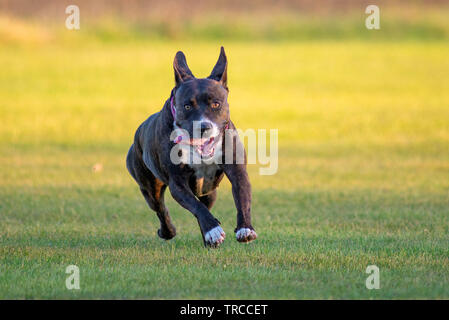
[205,178]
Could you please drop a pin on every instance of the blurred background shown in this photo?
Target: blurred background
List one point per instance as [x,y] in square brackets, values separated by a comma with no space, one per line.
[272,20]
[363,120]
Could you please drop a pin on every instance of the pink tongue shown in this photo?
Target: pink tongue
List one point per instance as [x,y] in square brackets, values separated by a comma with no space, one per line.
[207,147]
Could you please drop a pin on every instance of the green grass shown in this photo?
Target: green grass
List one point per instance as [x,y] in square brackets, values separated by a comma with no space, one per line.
[363,171]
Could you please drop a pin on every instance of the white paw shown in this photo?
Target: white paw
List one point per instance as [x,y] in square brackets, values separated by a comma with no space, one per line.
[215,236]
[245,235]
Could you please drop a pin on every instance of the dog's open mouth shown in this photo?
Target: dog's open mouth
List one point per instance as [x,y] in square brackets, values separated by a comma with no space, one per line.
[203,146]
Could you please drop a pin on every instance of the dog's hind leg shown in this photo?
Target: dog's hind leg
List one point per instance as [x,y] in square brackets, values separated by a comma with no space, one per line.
[155,200]
[153,191]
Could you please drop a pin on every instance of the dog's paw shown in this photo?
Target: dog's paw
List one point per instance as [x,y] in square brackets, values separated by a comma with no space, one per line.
[166,234]
[214,237]
[245,235]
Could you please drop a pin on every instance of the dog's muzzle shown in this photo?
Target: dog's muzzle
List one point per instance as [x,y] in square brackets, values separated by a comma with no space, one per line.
[204,146]
[207,131]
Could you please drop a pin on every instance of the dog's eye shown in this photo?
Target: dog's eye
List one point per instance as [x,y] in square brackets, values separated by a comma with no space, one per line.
[215,105]
[187,107]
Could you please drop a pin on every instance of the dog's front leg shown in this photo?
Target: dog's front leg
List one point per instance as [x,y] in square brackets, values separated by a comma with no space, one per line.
[241,190]
[213,234]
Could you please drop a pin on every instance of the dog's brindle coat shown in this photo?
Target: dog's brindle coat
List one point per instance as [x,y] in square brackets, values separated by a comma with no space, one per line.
[192,186]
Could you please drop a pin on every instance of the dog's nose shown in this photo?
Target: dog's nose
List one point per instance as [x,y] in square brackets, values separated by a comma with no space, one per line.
[205,126]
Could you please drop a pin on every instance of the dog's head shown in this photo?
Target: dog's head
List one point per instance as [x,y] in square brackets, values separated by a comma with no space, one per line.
[199,106]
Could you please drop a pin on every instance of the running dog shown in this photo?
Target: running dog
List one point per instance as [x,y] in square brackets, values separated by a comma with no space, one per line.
[193,124]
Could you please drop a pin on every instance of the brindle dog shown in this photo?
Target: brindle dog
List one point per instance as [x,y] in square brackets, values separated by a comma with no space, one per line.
[193,184]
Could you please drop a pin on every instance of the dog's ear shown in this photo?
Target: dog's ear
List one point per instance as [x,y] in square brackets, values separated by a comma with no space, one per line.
[219,72]
[182,71]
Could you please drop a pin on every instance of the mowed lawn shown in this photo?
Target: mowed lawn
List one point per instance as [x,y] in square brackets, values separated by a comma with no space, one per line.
[363,173]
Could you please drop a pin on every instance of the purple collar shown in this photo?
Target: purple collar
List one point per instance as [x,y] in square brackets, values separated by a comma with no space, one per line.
[172,107]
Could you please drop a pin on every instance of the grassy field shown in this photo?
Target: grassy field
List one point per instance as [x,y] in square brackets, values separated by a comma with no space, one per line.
[363,171]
